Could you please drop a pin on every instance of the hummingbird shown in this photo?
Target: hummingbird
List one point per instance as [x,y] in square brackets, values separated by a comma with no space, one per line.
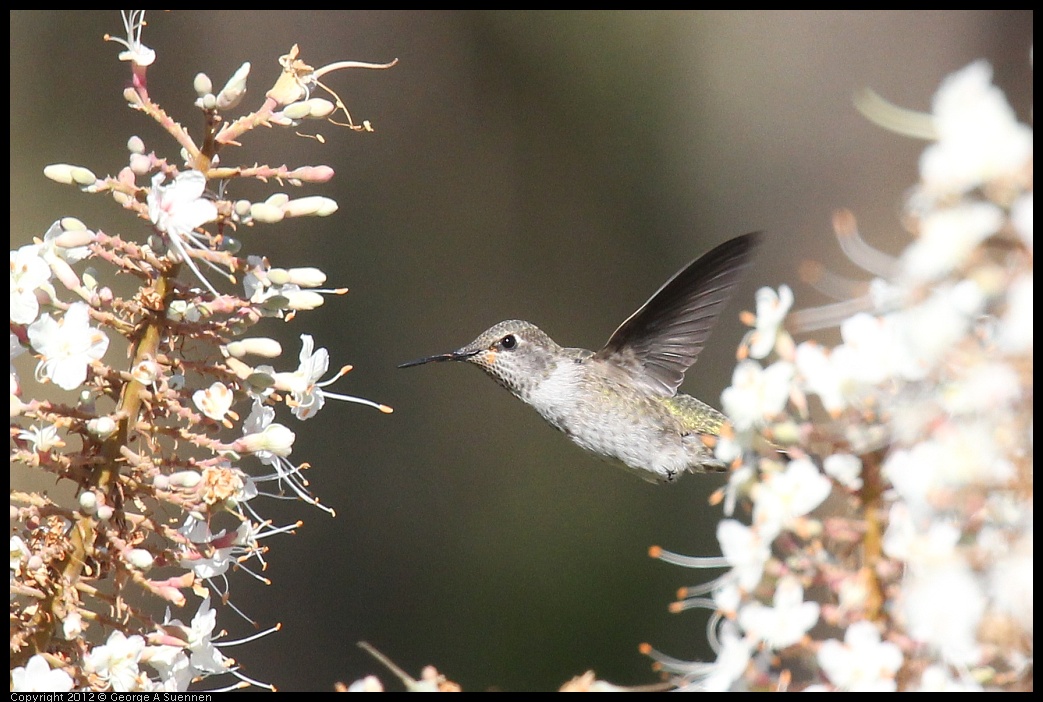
[621,403]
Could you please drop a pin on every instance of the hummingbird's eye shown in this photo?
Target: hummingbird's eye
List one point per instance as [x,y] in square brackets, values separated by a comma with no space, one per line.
[509,342]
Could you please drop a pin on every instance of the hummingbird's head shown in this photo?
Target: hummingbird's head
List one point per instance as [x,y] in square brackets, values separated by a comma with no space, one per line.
[515,353]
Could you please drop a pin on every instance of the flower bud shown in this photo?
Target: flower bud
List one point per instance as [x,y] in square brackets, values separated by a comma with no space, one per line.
[263,212]
[146,372]
[202,84]
[72,627]
[70,175]
[277,200]
[88,502]
[312,205]
[234,89]
[306,277]
[72,238]
[320,107]
[258,346]
[101,427]
[298,110]
[140,559]
[140,164]
[184,478]
[302,299]
[275,438]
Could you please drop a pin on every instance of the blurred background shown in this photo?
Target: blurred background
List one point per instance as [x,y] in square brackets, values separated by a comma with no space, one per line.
[549,166]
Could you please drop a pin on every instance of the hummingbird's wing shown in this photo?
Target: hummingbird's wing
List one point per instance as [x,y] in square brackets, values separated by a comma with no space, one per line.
[660,341]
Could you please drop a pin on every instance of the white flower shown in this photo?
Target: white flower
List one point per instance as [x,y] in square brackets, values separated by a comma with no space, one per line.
[172,664]
[756,394]
[222,549]
[845,469]
[37,676]
[970,455]
[308,397]
[729,451]
[271,443]
[936,678]
[137,53]
[16,350]
[784,624]
[772,308]
[1021,218]
[871,352]
[947,239]
[19,553]
[985,387]
[29,273]
[72,626]
[732,660]
[308,394]
[205,655]
[782,497]
[824,374]
[42,439]
[177,210]
[370,683]
[979,137]
[215,401]
[943,606]
[928,331]
[1016,326]
[67,347]
[727,597]
[745,551]
[1010,583]
[116,662]
[863,663]
[182,310]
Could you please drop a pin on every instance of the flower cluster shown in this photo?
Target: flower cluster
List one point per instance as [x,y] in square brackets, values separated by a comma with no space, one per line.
[167,475]
[888,481]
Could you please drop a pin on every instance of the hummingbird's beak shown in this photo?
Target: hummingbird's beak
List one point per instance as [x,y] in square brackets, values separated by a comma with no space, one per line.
[459,355]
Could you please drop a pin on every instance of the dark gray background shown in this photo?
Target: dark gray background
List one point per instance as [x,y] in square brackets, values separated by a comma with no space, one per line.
[555,167]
